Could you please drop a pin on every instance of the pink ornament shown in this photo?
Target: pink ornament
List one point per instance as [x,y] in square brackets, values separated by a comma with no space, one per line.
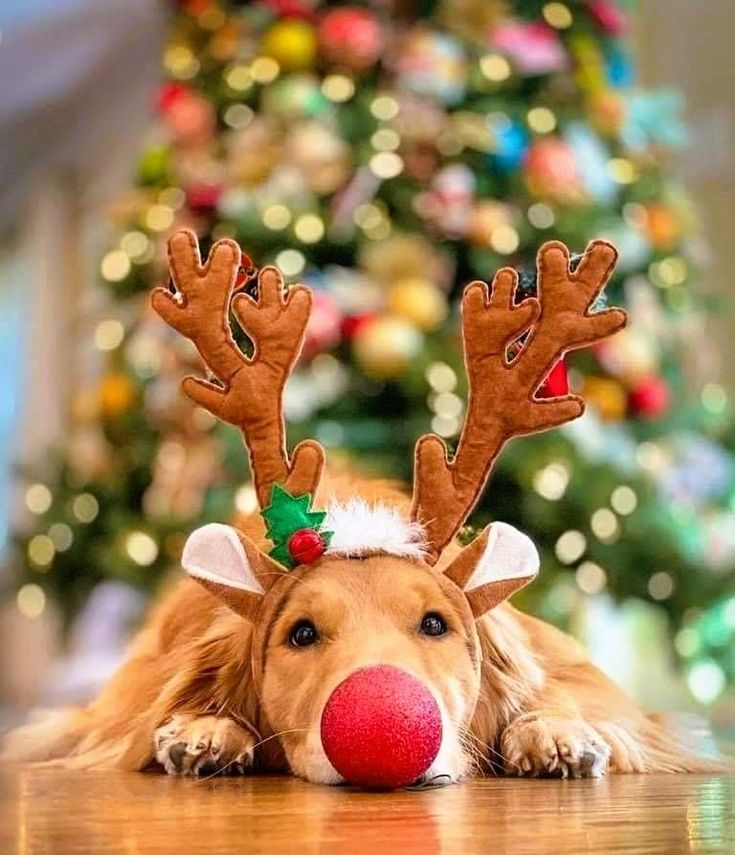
[324,329]
[551,171]
[188,115]
[381,728]
[350,36]
[609,16]
[533,47]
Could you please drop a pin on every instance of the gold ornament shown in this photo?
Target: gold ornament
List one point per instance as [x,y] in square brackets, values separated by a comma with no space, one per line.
[403,256]
[473,19]
[485,217]
[607,396]
[322,157]
[418,301]
[386,346]
[253,153]
[115,395]
[292,43]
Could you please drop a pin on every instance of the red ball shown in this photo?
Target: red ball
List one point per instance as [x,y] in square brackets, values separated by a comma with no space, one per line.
[381,728]
[557,383]
[351,36]
[650,398]
[306,545]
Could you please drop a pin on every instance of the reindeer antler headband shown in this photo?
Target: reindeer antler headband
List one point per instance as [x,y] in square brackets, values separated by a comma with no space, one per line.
[248,391]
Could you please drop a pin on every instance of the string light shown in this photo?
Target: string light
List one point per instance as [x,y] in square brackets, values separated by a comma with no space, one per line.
[441,377]
[41,551]
[134,244]
[238,77]
[62,536]
[447,404]
[557,15]
[541,215]
[108,334]
[181,62]
[115,266]
[141,548]
[624,500]
[384,108]
[504,240]
[495,68]
[264,69]
[604,525]
[445,426]
[290,261]
[541,120]
[687,642]
[309,228]
[660,586]
[238,116]
[714,398]
[590,577]
[570,546]
[706,681]
[385,139]
[551,482]
[158,218]
[85,507]
[31,600]
[621,170]
[38,498]
[338,88]
[276,217]
[386,164]
[246,499]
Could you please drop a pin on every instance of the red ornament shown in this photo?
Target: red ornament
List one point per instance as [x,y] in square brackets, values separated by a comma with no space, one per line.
[350,36]
[352,324]
[557,382]
[381,728]
[608,15]
[306,545]
[650,398]
[203,198]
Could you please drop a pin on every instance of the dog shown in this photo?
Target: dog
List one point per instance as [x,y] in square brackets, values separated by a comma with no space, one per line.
[234,666]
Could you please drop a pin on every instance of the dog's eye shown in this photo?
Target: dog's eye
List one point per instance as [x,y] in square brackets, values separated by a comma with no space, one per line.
[433,623]
[303,634]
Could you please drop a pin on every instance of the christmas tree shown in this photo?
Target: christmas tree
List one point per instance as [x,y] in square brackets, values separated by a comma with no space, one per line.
[386,154]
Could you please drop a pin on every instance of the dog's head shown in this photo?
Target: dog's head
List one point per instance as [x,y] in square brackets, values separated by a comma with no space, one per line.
[356,608]
[360,590]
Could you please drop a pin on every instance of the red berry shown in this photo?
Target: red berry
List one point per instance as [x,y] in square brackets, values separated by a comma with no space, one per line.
[306,545]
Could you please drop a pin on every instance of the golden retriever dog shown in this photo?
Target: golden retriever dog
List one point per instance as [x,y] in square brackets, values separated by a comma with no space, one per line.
[234,667]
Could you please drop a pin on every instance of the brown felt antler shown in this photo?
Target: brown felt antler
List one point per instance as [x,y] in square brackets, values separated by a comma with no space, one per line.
[502,399]
[249,391]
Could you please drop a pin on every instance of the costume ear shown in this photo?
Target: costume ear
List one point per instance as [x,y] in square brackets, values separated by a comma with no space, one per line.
[494,566]
[228,565]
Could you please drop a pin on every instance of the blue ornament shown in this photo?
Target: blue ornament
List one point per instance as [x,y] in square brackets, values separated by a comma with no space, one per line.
[619,67]
[511,145]
[591,156]
[654,118]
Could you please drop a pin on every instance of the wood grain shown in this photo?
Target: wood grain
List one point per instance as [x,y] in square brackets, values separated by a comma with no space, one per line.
[53,811]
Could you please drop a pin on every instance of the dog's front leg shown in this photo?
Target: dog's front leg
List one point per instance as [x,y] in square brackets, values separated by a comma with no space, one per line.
[203,745]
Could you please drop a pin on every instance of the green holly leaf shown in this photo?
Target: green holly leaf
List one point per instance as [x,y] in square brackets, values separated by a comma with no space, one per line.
[287,514]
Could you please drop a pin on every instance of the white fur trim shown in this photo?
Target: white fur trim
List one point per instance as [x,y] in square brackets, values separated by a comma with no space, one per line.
[215,553]
[359,528]
[509,554]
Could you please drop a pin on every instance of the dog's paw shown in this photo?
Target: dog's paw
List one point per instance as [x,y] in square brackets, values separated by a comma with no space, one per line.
[554,747]
[209,745]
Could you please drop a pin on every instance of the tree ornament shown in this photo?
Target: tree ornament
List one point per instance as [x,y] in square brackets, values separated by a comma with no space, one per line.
[419,301]
[350,36]
[294,528]
[556,384]
[292,43]
[551,172]
[386,346]
[650,398]
[533,47]
[433,64]
[607,396]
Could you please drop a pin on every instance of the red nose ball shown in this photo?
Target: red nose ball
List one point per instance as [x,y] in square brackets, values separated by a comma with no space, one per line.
[381,728]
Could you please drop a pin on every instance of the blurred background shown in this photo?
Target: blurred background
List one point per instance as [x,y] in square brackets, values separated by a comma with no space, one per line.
[385,153]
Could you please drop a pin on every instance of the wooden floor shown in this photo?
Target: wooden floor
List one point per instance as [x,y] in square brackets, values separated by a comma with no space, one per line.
[56,812]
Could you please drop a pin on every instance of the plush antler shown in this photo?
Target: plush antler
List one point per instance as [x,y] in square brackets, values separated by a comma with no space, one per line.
[249,391]
[502,402]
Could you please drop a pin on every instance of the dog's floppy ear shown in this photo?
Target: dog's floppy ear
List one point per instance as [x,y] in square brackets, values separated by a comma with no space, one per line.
[230,566]
[494,566]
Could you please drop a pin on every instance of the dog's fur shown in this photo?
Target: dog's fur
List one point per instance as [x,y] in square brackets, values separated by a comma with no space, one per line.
[185,700]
